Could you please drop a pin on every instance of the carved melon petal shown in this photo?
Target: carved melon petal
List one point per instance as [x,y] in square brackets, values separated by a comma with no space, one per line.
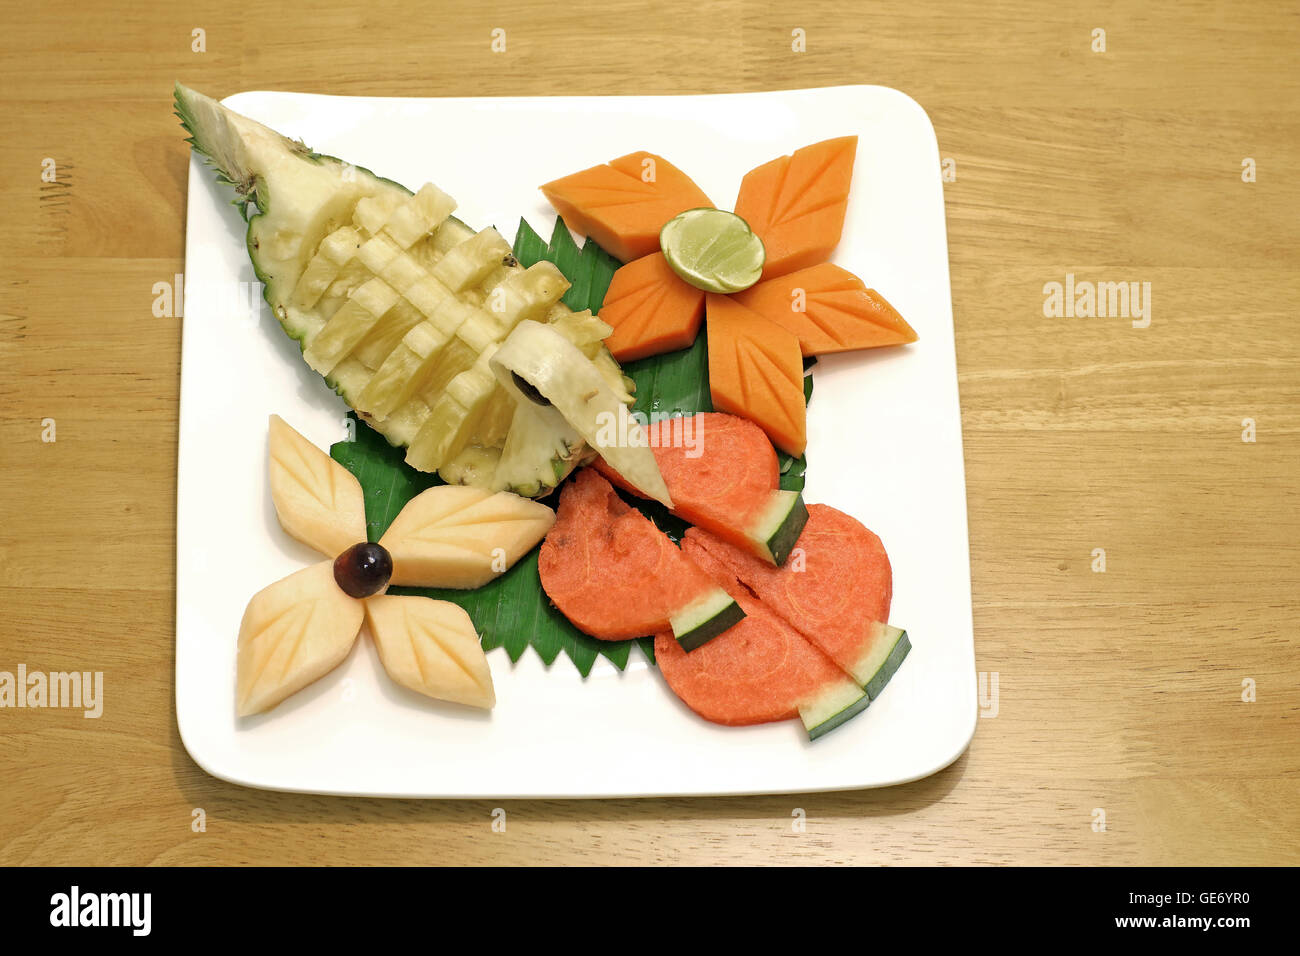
[293,633]
[455,536]
[317,500]
[432,648]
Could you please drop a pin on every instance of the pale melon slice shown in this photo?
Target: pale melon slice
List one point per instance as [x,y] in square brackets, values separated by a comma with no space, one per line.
[317,500]
[293,633]
[457,536]
[432,648]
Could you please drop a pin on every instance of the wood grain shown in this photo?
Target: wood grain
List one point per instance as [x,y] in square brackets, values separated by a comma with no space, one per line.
[1119,691]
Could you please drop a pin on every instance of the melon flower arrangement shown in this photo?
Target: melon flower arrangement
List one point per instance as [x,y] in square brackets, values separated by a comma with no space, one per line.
[300,628]
[760,274]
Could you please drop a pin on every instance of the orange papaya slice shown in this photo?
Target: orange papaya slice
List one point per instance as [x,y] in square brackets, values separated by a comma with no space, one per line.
[756,372]
[650,309]
[624,204]
[829,309]
[796,203]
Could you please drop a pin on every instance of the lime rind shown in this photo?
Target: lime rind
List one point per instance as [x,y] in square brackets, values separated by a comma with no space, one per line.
[713,250]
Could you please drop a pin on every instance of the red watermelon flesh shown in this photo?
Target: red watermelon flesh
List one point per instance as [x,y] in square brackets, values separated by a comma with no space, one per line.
[834,589]
[758,671]
[609,570]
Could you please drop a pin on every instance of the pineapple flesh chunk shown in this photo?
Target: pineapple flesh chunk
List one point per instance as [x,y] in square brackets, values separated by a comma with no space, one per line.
[405,423]
[449,235]
[402,371]
[454,417]
[525,295]
[420,215]
[496,419]
[405,271]
[336,251]
[586,331]
[372,212]
[377,252]
[469,263]
[349,279]
[426,293]
[475,465]
[405,221]
[349,325]
[387,334]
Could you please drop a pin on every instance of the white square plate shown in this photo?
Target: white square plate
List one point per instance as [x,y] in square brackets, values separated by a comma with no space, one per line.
[884,445]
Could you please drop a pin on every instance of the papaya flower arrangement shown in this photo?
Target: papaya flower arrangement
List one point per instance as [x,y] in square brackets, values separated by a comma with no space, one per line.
[761,274]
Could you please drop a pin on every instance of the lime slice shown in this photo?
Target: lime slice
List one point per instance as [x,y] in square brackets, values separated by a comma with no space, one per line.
[713,250]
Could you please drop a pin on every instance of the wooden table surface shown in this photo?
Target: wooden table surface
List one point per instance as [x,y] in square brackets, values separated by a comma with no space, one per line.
[1119,692]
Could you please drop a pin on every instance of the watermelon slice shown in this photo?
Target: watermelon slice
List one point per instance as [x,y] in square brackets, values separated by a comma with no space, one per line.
[835,591]
[722,475]
[761,670]
[616,576]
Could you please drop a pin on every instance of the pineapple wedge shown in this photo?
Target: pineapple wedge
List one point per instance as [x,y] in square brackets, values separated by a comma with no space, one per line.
[396,303]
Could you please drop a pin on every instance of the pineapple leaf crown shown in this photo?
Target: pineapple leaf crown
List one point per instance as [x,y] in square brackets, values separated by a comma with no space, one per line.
[246,184]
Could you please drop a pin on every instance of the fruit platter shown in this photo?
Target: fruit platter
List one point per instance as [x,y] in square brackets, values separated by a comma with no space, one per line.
[602,449]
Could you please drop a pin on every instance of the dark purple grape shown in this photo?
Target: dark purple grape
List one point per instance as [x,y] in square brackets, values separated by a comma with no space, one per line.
[363,569]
